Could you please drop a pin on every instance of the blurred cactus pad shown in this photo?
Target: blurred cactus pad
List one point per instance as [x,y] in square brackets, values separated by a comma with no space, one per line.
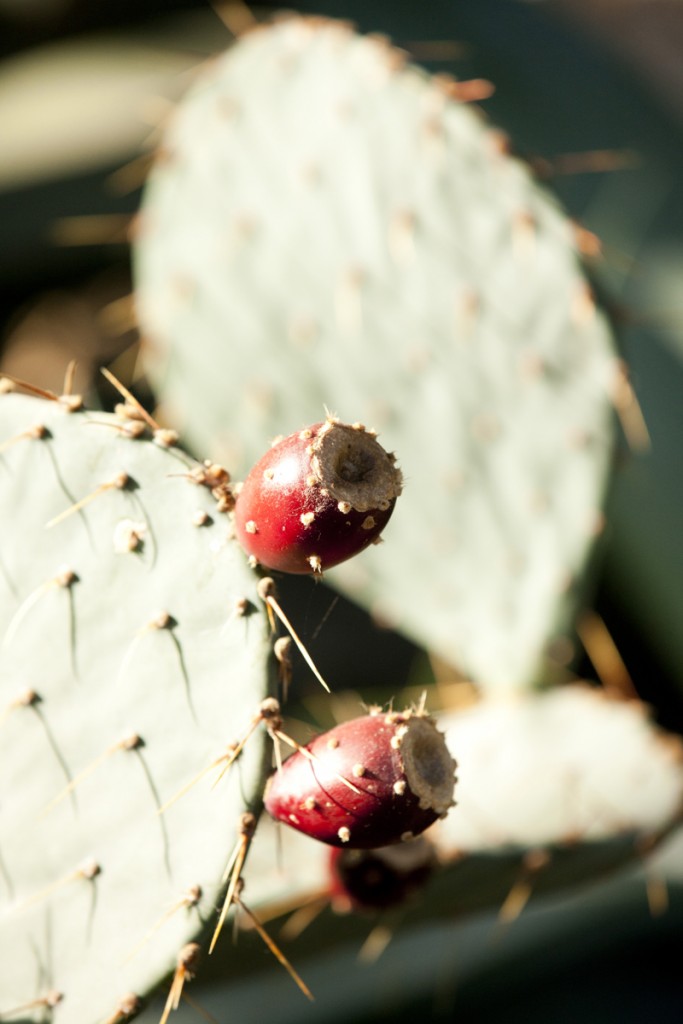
[328,226]
[133,649]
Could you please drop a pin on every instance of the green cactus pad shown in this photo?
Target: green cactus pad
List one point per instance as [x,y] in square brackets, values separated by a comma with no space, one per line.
[328,227]
[571,765]
[133,650]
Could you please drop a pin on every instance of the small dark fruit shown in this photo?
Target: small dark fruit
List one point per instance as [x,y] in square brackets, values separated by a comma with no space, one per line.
[369,880]
[316,498]
[376,780]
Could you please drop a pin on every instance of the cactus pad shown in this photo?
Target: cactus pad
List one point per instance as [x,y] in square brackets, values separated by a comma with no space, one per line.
[133,649]
[329,227]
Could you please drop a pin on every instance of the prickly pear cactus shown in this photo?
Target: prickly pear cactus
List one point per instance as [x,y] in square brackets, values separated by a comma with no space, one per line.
[329,227]
[133,649]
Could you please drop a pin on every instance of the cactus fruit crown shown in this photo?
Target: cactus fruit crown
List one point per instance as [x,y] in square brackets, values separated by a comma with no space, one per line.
[348,462]
[427,764]
[317,498]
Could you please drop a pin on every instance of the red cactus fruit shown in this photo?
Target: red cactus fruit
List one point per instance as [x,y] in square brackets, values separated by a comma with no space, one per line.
[370,782]
[317,498]
[367,880]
